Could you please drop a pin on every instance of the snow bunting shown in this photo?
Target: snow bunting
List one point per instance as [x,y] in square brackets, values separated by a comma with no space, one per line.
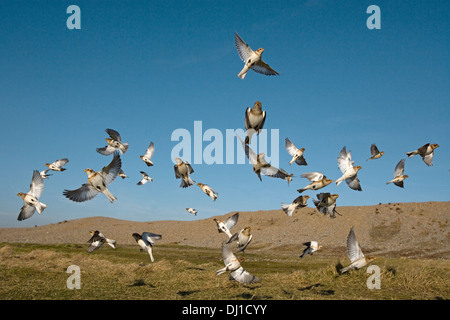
[182,171]
[426,152]
[145,178]
[243,238]
[398,174]
[318,181]
[349,171]
[311,247]
[254,120]
[233,265]
[97,240]
[30,199]
[146,241]
[375,153]
[355,254]
[298,203]
[97,182]
[227,225]
[57,165]
[192,210]
[296,154]
[326,203]
[114,144]
[208,191]
[252,59]
[148,154]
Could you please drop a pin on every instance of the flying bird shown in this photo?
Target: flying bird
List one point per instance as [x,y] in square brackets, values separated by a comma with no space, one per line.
[243,238]
[145,178]
[227,225]
[252,59]
[44,174]
[254,120]
[208,191]
[398,174]
[326,203]
[375,153]
[114,144]
[97,182]
[296,154]
[233,265]
[57,165]
[30,199]
[349,171]
[426,152]
[298,203]
[311,247]
[148,154]
[261,166]
[192,210]
[355,254]
[98,239]
[318,181]
[182,171]
[122,174]
[146,241]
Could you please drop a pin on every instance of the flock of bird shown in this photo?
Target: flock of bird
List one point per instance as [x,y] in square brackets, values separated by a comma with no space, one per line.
[98,181]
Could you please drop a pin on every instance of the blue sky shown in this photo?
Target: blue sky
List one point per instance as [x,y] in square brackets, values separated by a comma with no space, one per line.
[147,68]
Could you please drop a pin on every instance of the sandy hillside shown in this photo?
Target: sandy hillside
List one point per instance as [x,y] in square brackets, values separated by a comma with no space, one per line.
[415,230]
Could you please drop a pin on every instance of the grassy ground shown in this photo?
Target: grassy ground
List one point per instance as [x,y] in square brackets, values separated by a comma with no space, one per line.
[39,272]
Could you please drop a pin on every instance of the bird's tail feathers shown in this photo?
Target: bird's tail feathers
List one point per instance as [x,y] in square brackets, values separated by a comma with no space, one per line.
[411,153]
[187,182]
[40,207]
[287,208]
[220,271]
[109,195]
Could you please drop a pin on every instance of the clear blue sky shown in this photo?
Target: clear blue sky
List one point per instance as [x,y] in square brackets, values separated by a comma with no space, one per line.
[147,68]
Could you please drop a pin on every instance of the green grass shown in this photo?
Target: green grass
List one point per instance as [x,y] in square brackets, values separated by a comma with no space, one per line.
[31,271]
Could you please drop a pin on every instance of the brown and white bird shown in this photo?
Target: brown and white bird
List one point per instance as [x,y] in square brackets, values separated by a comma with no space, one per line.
[311,247]
[122,174]
[326,203]
[208,191]
[375,153]
[355,254]
[426,152]
[148,154]
[233,265]
[146,241]
[145,178]
[182,171]
[227,225]
[98,239]
[254,120]
[398,174]
[252,59]
[261,166]
[318,181]
[97,182]
[57,165]
[298,203]
[243,238]
[296,154]
[192,210]
[30,199]
[349,171]
[114,144]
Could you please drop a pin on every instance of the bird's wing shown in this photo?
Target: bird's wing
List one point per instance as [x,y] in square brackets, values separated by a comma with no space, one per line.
[61,162]
[84,193]
[353,248]
[232,221]
[177,173]
[107,150]
[274,172]
[246,118]
[227,254]
[150,150]
[374,150]
[313,176]
[423,149]
[243,49]
[36,185]
[290,147]
[114,134]
[301,161]
[264,68]
[354,183]
[344,161]
[399,184]
[26,212]
[428,159]
[399,168]
[243,276]
[251,155]
[242,248]
[190,168]
[111,171]
[150,238]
